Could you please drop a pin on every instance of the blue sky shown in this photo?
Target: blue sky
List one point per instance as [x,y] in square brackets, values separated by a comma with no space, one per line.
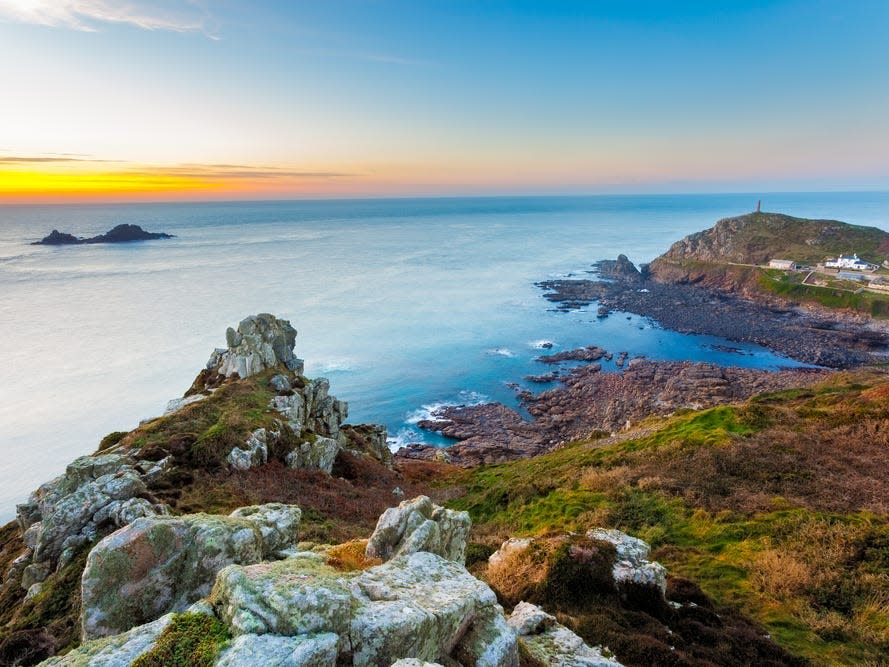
[367,97]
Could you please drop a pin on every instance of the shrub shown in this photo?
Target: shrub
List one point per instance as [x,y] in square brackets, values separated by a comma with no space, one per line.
[349,556]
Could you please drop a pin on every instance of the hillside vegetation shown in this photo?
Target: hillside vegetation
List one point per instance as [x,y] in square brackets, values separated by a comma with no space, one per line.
[779,506]
[756,238]
[727,258]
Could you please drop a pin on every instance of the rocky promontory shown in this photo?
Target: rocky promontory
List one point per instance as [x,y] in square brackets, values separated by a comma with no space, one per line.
[119,234]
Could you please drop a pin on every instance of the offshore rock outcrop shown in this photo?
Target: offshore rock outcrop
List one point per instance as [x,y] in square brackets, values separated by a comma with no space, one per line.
[120,234]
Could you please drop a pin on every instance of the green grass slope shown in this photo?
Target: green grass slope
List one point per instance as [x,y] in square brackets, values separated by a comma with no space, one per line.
[778,507]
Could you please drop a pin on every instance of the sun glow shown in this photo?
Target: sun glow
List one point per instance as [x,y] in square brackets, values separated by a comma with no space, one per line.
[27,184]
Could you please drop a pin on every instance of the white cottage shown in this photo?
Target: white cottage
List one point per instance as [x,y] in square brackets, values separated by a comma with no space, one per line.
[849,262]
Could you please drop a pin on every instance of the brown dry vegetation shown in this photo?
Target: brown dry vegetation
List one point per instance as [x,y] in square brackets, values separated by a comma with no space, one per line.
[778,506]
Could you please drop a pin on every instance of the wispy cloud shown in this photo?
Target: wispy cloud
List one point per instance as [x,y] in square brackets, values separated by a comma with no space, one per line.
[241,171]
[55,157]
[88,15]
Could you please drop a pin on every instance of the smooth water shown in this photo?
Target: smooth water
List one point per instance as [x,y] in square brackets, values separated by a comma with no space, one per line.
[403,304]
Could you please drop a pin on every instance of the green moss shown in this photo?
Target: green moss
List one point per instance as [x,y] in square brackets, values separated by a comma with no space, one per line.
[190,640]
[57,606]
[477,553]
[111,439]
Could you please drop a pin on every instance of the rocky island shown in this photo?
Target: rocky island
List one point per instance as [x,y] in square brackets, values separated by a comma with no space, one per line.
[119,234]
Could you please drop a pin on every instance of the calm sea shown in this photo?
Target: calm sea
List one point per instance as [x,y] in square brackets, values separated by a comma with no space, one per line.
[403,303]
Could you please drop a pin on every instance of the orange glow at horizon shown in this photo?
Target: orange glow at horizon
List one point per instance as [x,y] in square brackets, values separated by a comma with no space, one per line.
[59,184]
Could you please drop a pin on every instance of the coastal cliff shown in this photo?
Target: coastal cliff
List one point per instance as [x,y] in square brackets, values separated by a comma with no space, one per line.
[250,524]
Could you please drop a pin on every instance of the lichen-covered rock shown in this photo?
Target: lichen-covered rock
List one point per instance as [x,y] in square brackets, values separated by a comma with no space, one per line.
[632,565]
[511,546]
[95,495]
[177,404]
[318,453]
[289,597]
[280,383]
[552,644]
[318,650]
[420,606]
[261,341]
[413,662]
[367,440]
[255,452]
[161,564]
[419,525]
[278,524]
[117,651]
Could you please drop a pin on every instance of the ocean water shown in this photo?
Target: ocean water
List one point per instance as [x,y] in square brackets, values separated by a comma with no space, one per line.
[404,304]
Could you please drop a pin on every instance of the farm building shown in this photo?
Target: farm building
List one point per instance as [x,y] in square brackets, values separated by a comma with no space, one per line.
[849,275]
[784,264]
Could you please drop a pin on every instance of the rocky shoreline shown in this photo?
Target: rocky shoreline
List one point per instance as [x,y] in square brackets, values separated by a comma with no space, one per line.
[824,339]
[590,403]
[593,404]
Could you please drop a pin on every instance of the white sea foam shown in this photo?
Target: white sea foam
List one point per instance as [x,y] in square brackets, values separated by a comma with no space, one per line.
[429,412]
[542,344]
[501,352]
[343,365]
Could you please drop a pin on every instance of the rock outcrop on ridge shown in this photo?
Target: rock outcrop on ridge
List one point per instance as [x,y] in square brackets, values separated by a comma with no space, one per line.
[273,436]
[63,515]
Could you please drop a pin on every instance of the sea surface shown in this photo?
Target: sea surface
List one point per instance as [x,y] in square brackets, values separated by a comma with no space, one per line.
[404,304]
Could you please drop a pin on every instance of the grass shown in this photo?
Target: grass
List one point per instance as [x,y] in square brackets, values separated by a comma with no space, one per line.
[839,298]
[190,640]
[202,434]
[776,506]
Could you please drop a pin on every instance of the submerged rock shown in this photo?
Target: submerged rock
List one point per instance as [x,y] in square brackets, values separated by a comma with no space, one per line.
[163,564]
[419,525]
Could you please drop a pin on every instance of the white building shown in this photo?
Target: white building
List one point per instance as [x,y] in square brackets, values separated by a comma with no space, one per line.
[785,264]
[850,262]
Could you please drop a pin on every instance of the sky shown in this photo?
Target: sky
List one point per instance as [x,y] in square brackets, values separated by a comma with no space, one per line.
[144,100]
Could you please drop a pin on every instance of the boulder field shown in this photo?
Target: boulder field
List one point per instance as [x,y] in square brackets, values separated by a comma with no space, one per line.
[240,590]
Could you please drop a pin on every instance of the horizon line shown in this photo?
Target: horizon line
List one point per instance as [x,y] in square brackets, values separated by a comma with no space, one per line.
[173,202]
